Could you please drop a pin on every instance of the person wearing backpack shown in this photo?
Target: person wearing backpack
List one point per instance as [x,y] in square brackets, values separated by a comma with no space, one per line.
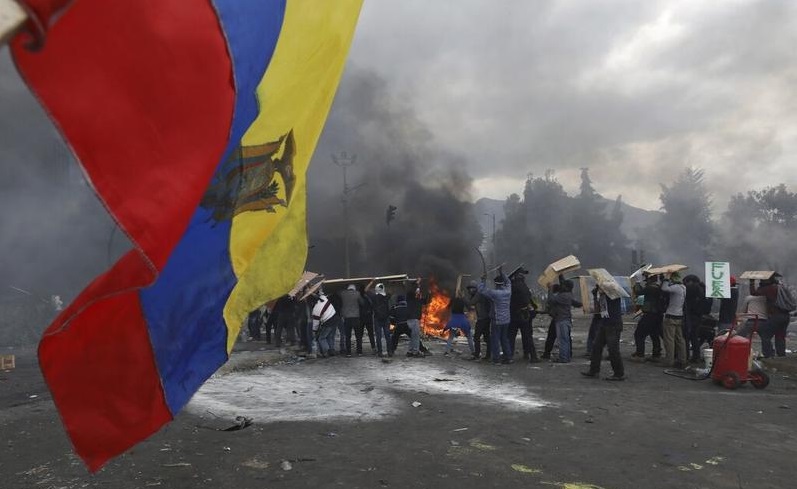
[780,303]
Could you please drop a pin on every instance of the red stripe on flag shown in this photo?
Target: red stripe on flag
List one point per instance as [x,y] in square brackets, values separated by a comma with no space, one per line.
[101,369]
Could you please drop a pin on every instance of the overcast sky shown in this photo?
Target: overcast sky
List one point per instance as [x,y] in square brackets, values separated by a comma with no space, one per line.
[636,90]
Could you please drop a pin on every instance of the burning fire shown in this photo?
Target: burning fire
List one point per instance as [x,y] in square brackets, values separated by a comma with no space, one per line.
[436,313]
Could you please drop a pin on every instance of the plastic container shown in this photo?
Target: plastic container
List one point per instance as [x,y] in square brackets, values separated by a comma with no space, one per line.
[708,357]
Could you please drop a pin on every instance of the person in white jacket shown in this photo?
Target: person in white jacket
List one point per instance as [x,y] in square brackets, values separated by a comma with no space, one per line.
[325,323]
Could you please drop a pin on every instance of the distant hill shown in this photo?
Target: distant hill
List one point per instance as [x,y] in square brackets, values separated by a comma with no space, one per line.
[635,220]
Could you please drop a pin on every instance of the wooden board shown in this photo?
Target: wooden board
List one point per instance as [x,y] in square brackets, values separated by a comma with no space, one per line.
[607,283]
[550,275]
[757,275]
[386,278]
[667,269]
[637,275]
[306,279]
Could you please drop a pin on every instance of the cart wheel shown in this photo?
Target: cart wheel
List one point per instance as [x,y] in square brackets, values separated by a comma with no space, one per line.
[730,380]
[759,379]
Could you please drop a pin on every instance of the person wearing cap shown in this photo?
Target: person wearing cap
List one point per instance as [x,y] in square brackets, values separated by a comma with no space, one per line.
[521,314]
[351,302]
[481,304]
[609,331]
[672,331]
[500,297]
[561,304]
[380,304]
[650,323]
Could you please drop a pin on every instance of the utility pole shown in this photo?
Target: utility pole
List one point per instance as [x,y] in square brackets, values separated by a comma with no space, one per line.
[493,251]
[344,161]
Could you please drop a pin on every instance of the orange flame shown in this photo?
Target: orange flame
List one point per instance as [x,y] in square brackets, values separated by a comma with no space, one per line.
[436,313]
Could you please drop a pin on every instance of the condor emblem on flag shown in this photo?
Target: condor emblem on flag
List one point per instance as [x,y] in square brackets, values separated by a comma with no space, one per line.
[195,121]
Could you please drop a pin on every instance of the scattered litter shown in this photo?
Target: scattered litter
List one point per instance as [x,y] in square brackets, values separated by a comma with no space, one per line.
[524,469]
[481,446]
[33,396]
[178,464]
[696,466]
[255,463]
[784,406]
[153,484]
[454,443]
[383,482]
[715,460]
[227,449]
[165,449]
[589,420]
[248,388]
[241,422]
[415,404]
[294,392]
[759,412]
[526,439]
[460,429]
[436,379]
[367,389]
[567,422]
[285,465]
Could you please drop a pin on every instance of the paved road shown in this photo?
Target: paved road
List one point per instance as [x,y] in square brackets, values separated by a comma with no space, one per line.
[351,423]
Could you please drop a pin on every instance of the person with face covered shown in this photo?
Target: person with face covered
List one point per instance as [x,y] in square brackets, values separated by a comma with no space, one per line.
[380,304]
[351,303]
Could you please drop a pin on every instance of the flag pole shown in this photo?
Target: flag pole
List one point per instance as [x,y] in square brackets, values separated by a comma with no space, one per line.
[12,17]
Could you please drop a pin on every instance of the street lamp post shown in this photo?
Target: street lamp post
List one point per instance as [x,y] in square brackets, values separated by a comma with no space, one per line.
[493,240]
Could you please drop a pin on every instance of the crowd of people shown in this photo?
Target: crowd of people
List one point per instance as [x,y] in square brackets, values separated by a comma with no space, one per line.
[674,315]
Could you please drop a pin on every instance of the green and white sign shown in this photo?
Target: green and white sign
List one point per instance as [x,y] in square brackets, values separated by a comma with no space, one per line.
[718,279]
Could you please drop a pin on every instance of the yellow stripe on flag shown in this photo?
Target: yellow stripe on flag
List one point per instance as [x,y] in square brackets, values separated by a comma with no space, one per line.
[268,249]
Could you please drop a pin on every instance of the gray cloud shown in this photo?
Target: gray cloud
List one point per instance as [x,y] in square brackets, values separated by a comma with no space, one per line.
[625,87]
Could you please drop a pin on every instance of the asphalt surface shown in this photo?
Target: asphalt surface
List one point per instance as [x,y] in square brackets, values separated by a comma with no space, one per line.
[350,422]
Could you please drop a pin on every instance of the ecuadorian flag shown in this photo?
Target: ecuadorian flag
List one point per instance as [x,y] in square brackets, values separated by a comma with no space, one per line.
[194,121]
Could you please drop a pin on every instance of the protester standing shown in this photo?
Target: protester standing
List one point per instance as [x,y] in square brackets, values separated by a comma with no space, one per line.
[521,313]
[674,344]
[651,321]
[561,304]
[482,306]
[500,297]
[611,327]
[380,304]
[351,302]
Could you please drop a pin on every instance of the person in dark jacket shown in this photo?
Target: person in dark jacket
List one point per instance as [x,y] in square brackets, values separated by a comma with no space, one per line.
[254,322]
[285,309]
[693,315]
[728,308]
[367,319]
[561,303]
[521,314]
[482,306]
[595,324]
[652,316]
[380,305]
[500,297]
[400,317]
[458,324]
[611,327]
